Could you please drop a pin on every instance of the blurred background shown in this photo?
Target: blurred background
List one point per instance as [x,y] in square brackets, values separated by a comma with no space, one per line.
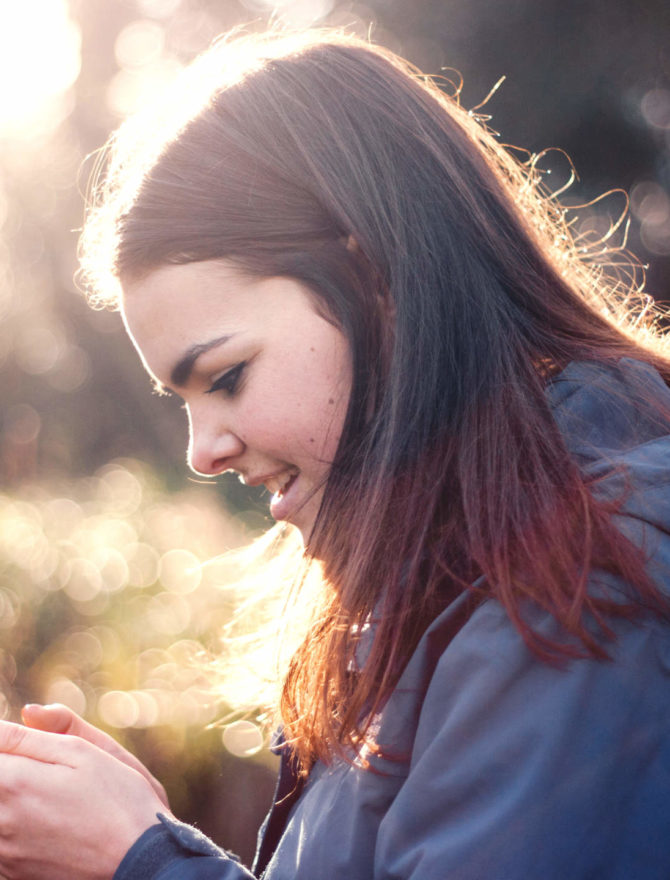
[103,603]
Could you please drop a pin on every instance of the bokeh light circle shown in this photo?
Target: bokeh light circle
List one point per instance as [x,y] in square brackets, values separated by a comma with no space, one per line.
[242,738]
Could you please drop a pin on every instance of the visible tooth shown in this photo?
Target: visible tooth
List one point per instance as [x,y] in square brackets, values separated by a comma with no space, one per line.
[277,485]
[284,483]
[288,479]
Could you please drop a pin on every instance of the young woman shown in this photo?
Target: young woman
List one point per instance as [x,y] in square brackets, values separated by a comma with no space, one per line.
[370,307]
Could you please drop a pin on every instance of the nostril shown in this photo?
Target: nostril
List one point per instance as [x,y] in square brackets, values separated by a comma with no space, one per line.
[205,465]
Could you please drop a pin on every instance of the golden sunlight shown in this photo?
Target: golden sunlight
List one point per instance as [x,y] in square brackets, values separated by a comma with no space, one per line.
[39,61]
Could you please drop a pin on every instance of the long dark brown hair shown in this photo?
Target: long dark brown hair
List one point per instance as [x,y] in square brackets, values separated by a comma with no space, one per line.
[462,294]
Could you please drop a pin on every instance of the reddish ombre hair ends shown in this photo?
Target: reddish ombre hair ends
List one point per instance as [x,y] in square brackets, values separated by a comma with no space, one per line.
[461,292]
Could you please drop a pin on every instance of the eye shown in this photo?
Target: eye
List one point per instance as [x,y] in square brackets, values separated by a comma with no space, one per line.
[229,381]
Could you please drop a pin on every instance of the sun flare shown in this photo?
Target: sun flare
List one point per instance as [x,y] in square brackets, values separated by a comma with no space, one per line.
[39,61]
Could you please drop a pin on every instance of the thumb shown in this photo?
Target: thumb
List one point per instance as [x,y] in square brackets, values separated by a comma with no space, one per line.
[55,718]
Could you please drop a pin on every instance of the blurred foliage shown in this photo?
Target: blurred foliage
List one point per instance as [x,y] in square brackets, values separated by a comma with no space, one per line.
[104,602]
[112,599]
[104,588]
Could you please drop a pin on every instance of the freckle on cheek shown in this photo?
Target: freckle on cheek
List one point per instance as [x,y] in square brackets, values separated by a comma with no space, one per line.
[311,439]
[331,401]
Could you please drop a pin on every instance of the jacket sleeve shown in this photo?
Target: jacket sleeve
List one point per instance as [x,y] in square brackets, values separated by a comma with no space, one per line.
[171,850]
[520,769]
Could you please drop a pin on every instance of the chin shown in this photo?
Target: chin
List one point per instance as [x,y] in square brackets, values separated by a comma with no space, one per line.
[305,527]
[304,517]
[305,532]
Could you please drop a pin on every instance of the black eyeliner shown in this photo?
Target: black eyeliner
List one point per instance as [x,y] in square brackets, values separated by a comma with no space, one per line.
[228,381]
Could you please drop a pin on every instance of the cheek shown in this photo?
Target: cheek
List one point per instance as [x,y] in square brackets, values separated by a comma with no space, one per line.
[332,422]
[329,399]
[306,430]
[300,397]
[323,411]
[302,425]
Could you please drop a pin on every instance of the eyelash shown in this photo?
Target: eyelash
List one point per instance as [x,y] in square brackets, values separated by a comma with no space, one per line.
[229,381]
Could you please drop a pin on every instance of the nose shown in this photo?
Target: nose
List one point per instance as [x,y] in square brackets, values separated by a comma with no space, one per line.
[212,447]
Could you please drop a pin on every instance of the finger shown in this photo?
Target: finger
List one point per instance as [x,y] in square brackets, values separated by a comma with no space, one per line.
[57,718]
[36,744]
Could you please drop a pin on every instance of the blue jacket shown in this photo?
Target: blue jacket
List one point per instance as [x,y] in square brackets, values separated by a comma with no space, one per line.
[515,769]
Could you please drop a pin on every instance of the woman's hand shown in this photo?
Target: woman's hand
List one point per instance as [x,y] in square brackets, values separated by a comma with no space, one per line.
[57,718]
[69,810]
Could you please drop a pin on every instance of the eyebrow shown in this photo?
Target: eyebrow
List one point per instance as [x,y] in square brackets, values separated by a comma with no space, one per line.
[181,372]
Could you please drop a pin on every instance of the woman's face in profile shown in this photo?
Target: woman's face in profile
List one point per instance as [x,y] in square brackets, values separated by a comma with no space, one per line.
[265,378]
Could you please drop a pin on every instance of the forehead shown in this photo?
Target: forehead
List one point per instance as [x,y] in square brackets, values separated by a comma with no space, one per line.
[178,293]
